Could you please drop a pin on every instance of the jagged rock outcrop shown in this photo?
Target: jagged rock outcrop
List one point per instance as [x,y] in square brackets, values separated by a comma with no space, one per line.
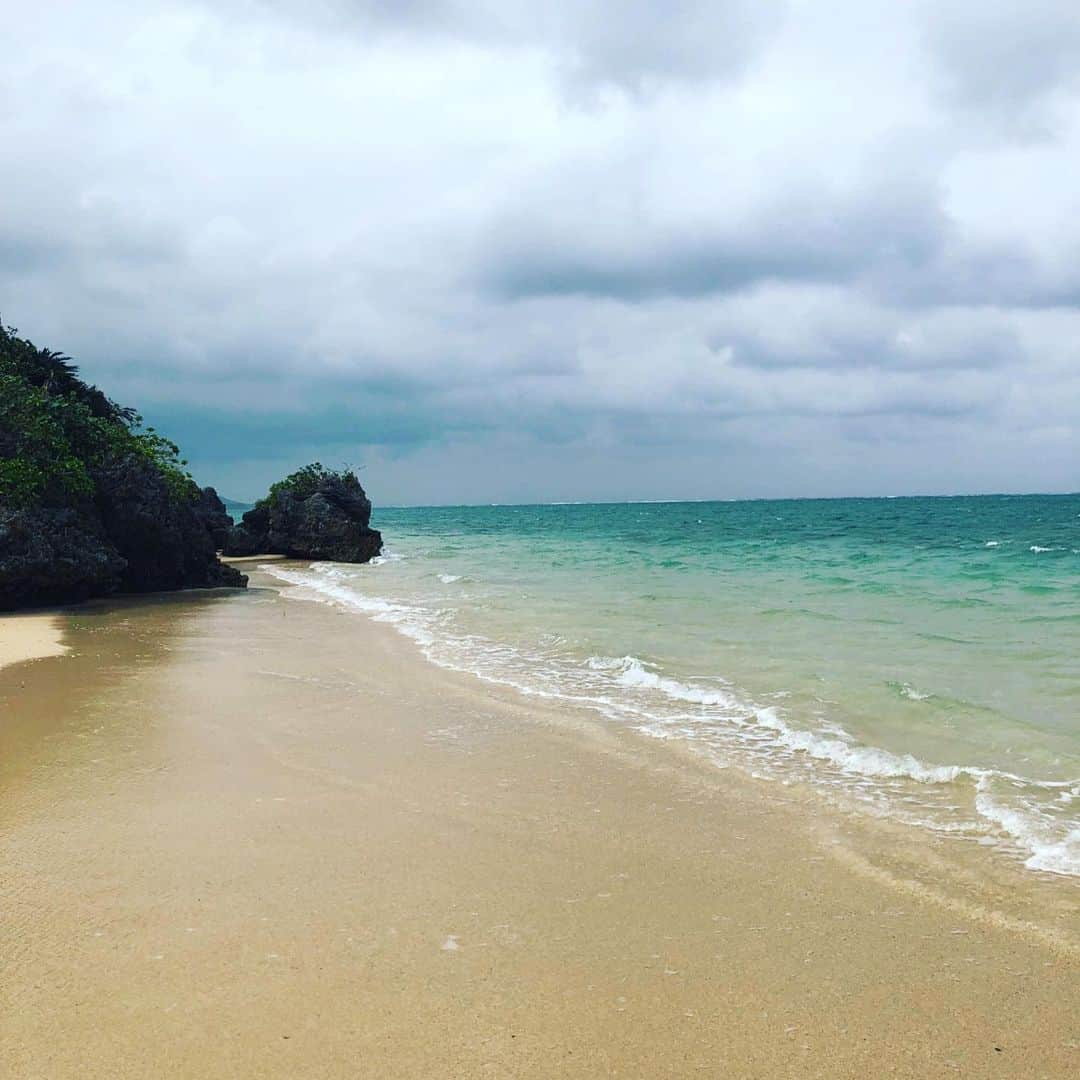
[130,538]
[167,544]
[55,555]
[91,502]
[215,517]
[314,514]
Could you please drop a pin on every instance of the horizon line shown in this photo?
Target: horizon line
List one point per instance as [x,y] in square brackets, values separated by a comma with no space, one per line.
[747,499]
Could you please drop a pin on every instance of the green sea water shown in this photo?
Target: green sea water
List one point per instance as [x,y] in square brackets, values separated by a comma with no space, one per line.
[915,657]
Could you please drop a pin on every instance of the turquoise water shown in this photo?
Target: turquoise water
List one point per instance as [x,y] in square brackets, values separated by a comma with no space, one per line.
[913,657]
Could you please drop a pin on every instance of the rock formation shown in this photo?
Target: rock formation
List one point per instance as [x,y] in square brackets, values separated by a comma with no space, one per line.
[314,514]
[52,555]
[130,539]
[215,517]
[91,503]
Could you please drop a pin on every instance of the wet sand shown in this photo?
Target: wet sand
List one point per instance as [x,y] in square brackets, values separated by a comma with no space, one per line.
[252,560]
[248,836]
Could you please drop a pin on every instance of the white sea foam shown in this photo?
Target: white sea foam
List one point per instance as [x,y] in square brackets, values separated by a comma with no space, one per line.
[633,673]
[730,729]
[1033,832]
[449,579]
[1039,550]
[386,557]
[328,585]
[1056,857]
[852,758]
[908,691]
[992,543]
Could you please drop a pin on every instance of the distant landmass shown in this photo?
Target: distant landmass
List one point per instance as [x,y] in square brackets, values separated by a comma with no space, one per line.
[236,509]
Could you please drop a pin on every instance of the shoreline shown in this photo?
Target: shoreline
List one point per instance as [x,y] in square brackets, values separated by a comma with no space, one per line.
[256,836]
[230,560]
[963,795]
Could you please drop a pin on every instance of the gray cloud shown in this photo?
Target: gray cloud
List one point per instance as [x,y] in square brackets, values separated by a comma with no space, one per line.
[801,235]
[581,250]
[628,44]
[998,57]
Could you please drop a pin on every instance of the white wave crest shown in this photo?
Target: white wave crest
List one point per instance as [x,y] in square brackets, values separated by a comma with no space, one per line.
[853,758]
[633,673]
[909,691]
[1049,851]
[386,557]
[412,622]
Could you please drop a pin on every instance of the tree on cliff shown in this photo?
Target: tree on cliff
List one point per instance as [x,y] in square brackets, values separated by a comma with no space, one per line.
[91,501]
[55,430]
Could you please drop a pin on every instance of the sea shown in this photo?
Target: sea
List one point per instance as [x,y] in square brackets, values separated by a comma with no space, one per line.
[917,658]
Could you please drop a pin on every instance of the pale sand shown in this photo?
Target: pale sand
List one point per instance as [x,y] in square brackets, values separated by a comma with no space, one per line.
[29,637]
[230,559]
[245,836]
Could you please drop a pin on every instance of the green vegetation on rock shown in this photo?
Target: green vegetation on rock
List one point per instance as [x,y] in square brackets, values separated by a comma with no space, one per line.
[306,481]
[55,430]
[91,501]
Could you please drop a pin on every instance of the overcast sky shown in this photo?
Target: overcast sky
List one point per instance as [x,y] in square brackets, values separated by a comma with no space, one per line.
[501,250]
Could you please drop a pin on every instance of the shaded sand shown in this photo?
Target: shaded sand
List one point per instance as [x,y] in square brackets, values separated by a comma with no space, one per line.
[246,836]
[29,637]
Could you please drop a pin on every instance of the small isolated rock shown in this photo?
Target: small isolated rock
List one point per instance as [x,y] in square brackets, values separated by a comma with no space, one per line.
[315,513]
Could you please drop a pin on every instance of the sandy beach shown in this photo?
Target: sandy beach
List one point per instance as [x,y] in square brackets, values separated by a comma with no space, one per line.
[29,637]
[253,836]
